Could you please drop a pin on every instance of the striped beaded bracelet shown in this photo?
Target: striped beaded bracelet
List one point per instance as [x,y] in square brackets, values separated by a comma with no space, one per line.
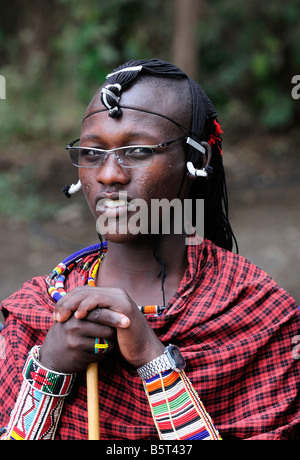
[44,380]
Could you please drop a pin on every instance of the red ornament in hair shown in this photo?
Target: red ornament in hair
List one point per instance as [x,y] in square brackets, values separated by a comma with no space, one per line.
[215,138]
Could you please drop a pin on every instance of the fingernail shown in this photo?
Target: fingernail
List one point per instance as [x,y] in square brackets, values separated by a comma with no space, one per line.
[124,321]
[57,317]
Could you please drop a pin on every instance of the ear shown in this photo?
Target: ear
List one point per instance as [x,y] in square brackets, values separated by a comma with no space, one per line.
[208,153]
[205,149]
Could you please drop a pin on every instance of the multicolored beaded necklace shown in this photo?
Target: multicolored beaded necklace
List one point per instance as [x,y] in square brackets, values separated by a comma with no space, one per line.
[56,281]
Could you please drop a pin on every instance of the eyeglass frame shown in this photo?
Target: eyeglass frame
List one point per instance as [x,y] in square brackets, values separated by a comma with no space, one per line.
[113,151]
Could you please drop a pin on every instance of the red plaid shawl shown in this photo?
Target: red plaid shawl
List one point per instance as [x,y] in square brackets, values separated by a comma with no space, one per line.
[235,327]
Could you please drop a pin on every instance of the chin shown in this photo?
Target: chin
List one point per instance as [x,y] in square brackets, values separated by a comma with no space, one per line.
[116,233]
[121,238]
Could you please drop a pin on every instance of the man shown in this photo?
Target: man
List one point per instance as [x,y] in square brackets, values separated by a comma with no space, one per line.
[150,133]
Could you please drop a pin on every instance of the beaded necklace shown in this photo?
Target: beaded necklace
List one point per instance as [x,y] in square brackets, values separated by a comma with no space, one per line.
[56,281]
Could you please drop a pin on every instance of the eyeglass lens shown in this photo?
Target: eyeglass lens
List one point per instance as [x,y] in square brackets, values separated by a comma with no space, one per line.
[128,157]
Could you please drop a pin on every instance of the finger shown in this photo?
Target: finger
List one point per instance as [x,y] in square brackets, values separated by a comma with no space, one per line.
[97,345]
[102,346]
[87,305]
[108,317]
[104,315]
[69,303]
[93,330]
[84,299]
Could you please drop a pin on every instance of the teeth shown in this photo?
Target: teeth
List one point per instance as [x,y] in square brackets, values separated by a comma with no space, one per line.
[115,203]
[112,204]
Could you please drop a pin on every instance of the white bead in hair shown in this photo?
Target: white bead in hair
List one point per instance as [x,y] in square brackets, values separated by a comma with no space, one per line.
[126,69]
[106,91]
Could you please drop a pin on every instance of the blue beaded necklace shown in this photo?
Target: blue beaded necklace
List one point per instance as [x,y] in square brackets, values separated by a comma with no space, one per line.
[56,281]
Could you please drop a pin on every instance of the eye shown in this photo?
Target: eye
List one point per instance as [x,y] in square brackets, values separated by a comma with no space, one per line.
[139,153]
[90,154]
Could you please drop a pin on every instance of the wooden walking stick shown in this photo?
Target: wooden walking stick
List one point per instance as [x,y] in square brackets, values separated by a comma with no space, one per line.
[93,401]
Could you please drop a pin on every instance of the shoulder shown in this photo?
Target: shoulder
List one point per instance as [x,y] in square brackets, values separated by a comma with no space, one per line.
[31,304]
[230,266]
[231,275]
[32,290]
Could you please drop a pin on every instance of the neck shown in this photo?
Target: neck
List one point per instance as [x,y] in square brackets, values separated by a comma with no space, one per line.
[133,267]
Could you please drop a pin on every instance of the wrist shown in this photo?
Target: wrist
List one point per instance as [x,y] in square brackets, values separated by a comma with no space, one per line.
[45,380]
[148,355]
[49,361]
[170,359]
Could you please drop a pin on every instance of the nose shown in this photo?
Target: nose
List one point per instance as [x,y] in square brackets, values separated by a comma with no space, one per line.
[111,172]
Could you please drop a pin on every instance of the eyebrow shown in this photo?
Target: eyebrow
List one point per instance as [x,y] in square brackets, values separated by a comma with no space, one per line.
[134,135]
[90,137]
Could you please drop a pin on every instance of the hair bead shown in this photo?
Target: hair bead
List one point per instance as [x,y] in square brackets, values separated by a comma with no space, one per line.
[110,97]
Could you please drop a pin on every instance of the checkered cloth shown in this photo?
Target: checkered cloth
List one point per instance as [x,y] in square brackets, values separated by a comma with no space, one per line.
[234,326]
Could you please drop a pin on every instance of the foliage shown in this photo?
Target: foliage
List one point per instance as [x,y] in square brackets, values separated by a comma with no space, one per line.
[249,55]
[55,53]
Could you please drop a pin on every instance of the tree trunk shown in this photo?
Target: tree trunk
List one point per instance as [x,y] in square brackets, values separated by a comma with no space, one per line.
[185,43]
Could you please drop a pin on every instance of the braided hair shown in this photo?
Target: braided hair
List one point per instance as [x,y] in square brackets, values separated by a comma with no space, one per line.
[204,126]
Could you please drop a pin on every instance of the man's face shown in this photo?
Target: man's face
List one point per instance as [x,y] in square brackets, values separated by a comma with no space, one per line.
[110,183]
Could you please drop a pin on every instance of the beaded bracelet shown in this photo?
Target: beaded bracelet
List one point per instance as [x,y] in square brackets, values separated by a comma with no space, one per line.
[44,380]
[40,401]
[177,410]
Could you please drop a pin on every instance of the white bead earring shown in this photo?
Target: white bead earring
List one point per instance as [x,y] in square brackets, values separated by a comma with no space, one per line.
[69,190]
[190,167]
[196,172]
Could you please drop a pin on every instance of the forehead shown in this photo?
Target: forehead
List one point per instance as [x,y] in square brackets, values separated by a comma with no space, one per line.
[160,99]
[131,128]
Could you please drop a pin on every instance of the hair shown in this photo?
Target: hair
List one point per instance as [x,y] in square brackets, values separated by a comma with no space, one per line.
[203,124]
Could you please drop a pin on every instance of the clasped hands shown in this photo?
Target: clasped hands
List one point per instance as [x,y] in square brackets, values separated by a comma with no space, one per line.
[87,313]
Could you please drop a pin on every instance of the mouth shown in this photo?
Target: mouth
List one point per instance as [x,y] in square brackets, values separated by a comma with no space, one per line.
[106,205]
[114,204]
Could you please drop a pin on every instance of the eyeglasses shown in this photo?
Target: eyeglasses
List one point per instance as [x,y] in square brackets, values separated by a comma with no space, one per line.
[134,156]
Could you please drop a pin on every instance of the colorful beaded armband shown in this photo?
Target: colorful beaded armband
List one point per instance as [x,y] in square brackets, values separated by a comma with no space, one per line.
[40,402]
[177,410]
[46,381]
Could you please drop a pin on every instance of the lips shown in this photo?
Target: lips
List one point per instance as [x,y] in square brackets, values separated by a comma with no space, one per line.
[112,203]
[104,204]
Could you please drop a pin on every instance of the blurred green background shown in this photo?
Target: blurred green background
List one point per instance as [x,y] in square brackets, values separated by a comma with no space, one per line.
[55,53]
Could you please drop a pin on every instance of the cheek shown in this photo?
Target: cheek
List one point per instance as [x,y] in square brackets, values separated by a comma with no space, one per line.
[162,180]
[86,183]
[85,180]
